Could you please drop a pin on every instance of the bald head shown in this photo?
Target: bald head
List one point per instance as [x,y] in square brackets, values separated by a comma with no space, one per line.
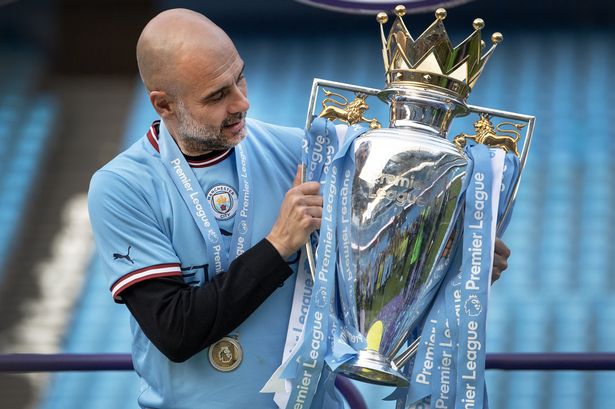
[194,77]
[170,41]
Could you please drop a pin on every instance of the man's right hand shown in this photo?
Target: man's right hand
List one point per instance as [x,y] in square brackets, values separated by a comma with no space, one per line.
[300,215]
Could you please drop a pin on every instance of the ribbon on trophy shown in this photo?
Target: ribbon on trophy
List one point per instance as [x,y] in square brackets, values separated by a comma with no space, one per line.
[319,148]
[448,370]
[345,273]
[321,336]
[510,175]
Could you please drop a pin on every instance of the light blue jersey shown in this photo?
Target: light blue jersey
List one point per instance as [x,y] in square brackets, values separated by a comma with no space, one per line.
[143,230]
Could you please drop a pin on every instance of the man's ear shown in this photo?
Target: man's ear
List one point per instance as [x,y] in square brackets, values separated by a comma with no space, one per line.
[162,104]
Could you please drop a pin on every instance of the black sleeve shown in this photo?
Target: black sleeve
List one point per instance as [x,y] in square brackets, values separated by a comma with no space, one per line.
[182,320]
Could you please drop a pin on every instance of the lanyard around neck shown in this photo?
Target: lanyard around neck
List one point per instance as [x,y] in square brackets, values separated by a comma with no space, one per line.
[197,204]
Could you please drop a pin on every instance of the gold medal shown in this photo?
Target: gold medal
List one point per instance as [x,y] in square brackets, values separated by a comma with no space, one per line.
[226,354]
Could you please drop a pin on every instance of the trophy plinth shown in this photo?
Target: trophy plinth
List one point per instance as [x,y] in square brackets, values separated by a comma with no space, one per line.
[370,366]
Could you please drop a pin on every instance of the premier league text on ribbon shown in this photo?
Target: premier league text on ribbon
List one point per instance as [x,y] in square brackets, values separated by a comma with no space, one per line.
[198,207]
[320,144]
[306,378]
[472,286]
[245,205]
[194,195]
[328,234]
[345,220]
[317,335]
[480,196]
[445,363]
[305,306]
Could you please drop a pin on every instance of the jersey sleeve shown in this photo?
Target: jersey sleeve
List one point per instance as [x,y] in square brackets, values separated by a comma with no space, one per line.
[130,241]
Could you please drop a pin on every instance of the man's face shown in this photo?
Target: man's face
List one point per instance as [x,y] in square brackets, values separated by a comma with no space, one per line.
[211,112]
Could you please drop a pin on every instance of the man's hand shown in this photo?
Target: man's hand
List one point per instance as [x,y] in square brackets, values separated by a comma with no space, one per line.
[500,259]
[300,215]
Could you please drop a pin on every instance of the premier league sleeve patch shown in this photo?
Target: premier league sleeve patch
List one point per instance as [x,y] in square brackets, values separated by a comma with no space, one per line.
[223,200]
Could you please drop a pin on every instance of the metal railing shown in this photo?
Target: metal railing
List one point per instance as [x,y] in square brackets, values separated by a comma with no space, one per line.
[20,363]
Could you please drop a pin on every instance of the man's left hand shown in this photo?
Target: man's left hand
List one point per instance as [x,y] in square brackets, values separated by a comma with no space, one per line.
[500,259]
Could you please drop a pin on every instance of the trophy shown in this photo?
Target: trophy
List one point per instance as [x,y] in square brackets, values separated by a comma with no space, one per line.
[408,178]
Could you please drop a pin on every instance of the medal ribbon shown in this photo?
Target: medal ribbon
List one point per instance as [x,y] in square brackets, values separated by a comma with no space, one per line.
[241,240]
[196,201]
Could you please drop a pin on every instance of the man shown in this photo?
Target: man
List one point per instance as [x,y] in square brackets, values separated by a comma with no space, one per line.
[194,250]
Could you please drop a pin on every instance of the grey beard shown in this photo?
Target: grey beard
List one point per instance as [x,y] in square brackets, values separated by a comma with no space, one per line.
[196,137]
[200,143]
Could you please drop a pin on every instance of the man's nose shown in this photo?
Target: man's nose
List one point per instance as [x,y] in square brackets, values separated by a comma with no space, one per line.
[239,102]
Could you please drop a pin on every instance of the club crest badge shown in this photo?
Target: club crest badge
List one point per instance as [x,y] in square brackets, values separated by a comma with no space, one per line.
[223,201]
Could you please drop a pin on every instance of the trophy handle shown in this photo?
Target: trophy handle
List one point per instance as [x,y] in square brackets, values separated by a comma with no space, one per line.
[405,356]
[525,143]
[361,92]
[308,245]
[316,85]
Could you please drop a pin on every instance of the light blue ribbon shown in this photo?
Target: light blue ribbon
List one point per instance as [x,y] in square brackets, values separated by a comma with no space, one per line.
[475,272]
[443,390]
[346,276]
[509,178]
[196,201]
[448,320]
[422,371]
[322,335]
[241,240]
[321,144]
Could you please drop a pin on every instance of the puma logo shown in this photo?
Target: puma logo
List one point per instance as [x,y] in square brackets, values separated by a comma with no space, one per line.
[117,256]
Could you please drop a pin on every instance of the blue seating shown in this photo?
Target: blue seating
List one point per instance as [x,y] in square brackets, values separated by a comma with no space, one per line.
[99,325]
[25,127]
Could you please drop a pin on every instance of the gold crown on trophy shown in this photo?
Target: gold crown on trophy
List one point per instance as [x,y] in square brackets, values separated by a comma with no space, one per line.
[430,61]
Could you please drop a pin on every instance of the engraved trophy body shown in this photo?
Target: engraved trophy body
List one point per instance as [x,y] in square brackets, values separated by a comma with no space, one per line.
[405,193]
[408,179]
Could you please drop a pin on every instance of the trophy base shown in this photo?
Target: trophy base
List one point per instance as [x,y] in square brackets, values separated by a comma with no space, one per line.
[369,366]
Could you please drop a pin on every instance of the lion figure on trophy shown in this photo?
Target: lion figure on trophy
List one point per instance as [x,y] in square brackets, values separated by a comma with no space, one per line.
[488,135]
[349,112]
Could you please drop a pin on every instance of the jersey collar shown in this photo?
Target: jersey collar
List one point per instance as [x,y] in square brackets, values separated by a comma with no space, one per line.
[201,161]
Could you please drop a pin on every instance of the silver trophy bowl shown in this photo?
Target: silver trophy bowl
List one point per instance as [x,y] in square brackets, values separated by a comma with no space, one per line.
[405,195]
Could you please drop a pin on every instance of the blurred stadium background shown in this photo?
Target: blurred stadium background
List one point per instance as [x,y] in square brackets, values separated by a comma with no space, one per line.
[70,99]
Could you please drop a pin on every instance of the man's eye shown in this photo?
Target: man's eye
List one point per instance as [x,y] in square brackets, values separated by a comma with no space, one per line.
[217,97]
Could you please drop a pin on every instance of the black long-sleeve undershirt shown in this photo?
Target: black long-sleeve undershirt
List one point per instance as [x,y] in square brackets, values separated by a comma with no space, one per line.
[181,320]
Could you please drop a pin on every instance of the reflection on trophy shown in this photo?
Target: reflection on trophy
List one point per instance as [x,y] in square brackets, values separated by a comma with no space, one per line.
[408,178]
